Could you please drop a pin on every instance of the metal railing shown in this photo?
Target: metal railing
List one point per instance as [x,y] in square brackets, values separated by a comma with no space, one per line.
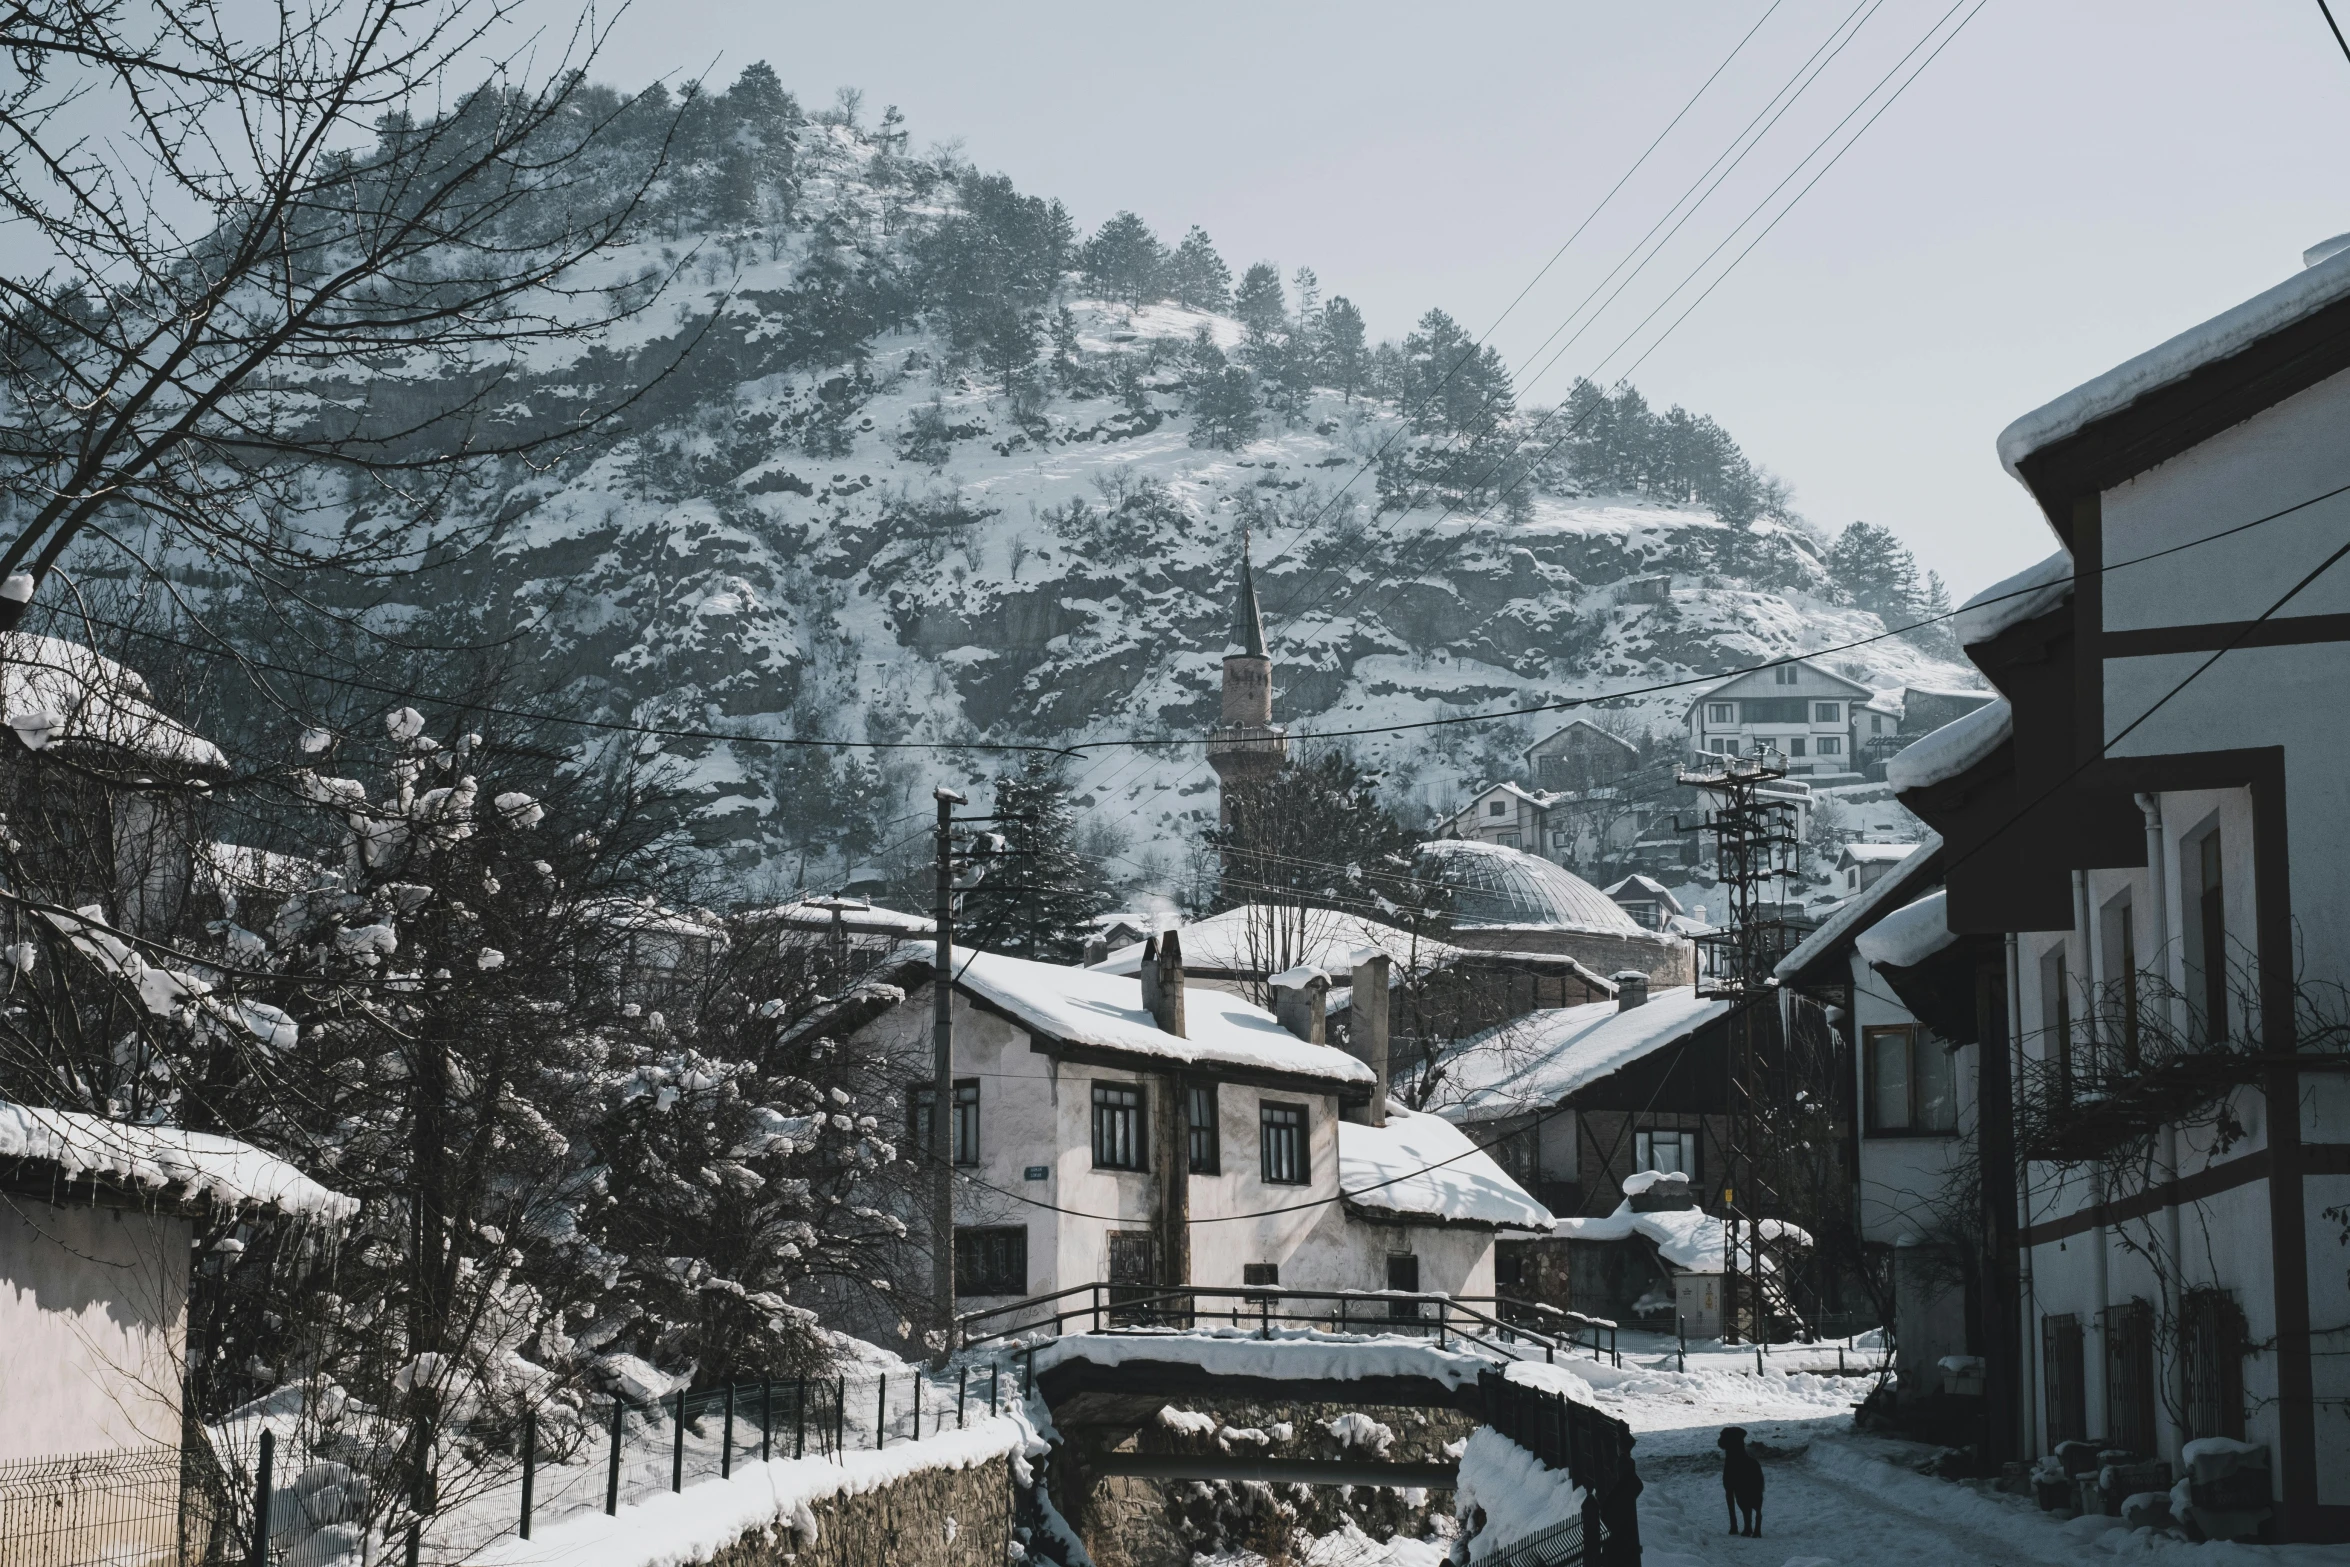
[1594,1449]
[132,1509]
[1106,1308]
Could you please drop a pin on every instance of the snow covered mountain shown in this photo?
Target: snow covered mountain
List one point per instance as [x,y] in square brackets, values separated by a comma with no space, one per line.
[854,514]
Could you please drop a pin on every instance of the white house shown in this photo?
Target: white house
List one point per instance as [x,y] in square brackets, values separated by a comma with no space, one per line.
[1140,1130]
[2143,845]
[97,1237]
[1795,708]
[1505,814]
[1859,866]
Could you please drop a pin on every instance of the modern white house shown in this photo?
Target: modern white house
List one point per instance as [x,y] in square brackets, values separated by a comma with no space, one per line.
[1140,1130]
[1803,712]
[1507,815]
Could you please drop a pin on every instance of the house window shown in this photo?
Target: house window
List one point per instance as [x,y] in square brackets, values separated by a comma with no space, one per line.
[2121,976]
[2213,1340]
[921,1102]
[1260,1275]
[1784,674]
[1199,1105]
[2056,1020]
[1117,1126]
[1508,840]
[992,1261]
[1281,1138]
[1718,713]
[1403,1273]
[2066,1379]
[2207,937]
[1876,724]
[1670,1149]
[1831,745]
[1909,1089]
[1795,746]
[1826,712]
[1775,710]
[2129,1375]
[1497,807]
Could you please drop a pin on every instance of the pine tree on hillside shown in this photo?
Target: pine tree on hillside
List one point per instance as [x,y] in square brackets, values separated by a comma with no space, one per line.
[1125,261]
[1259,304]
[1315,836]
[1224,414]
[1037,899]
[1308,284]
[1197,276]
[1875,570]
[1345,357]
[1937,634]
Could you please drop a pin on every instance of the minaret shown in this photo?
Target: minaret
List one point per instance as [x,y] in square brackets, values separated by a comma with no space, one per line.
[1246,747]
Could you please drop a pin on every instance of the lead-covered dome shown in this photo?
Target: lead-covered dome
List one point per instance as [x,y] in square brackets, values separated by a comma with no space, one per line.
[1492,885]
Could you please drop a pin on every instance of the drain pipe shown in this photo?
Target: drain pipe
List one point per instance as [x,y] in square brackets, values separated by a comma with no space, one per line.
[2097,1192]
[2023,1202]
[2158,937]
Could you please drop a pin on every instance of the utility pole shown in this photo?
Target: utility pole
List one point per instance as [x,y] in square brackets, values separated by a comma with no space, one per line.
[942,1093]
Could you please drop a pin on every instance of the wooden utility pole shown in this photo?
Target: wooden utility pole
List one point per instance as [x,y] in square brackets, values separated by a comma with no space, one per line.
[942,1094]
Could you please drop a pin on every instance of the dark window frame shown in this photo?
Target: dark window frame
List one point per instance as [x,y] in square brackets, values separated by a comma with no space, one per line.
[1918,1041]
[1260,1275]
[1121,1127]
[987,1256]
[1285,1154]
[1203,1139]
[922,1115]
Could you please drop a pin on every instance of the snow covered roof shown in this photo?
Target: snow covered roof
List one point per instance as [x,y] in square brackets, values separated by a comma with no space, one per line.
[1850,915]
[1687,1238]
[1877,853]
[2011,601]
[54,692]
[1536,1060]
[1422,1167]
[242,868]
[1258,939]
[1909,935]
[1753,680]
[1493,885]
[1104,1011]
[1644,889]
[1573,724]
[201,1166]
[2224,335]
[1950,750]
[859,916]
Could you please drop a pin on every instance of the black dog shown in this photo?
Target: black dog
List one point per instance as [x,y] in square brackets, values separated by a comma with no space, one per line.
[1742,1481]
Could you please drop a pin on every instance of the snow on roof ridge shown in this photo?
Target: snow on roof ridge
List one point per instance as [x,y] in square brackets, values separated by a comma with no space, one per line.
[2224,335]
[52,689]
[204,1166]
[2012,600]
[1422,1166]
[1910,934]
[1544,1056]
[1085,1006]
[1849,914]
[1946,752]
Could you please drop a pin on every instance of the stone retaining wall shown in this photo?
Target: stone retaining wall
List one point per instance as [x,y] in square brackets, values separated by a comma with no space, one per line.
[931,1518]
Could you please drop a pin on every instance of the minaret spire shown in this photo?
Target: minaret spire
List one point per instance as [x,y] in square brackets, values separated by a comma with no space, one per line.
[1248,623]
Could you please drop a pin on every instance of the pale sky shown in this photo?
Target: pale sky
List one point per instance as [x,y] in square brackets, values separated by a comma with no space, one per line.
[2066,185]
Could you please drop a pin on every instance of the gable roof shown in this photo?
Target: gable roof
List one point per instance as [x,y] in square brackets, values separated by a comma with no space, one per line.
[1095,1014]
[1533,1062]
[1765,680]
[55,692]
[1248,941]
[1569,727]
[1875,853]
[1420,1168]
[1645,889]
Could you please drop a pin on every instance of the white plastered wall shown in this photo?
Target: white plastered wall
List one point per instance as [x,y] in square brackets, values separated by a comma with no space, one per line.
[93,1328]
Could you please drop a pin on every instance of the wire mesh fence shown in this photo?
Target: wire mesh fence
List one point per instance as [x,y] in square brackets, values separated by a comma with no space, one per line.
[134,1509]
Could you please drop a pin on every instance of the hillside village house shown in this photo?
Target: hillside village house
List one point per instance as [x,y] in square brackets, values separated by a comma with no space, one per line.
[1143,1130]
[1580,756]
[1859,866]
[2141,918]
[97,1238]
[1794,708]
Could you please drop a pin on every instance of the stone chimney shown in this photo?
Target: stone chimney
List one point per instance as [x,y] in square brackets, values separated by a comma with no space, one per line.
[1162,984]
[1631,989]
[1301,1002]
[1366,1030]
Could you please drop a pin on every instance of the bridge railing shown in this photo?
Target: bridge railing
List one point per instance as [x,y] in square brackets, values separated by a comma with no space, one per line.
[1507,1329]
[1595,1450]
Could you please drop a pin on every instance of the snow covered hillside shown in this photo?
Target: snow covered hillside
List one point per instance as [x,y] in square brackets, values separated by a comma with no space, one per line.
[852,513]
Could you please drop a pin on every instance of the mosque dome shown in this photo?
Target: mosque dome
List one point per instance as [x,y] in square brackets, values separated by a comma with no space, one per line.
[1492,885]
